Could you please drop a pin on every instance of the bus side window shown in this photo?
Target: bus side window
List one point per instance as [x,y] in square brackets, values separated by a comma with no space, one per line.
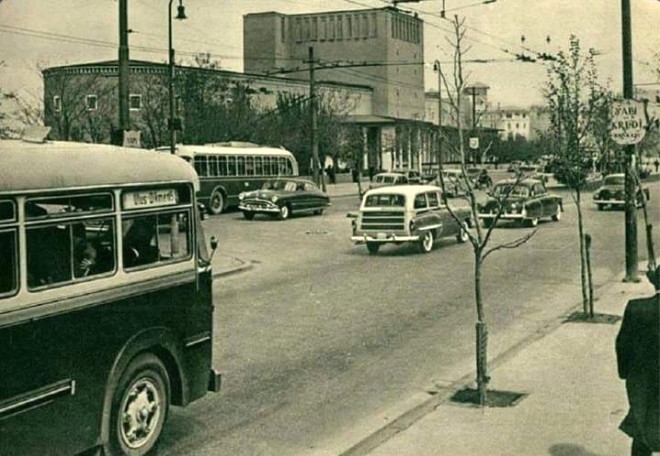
[152,239]
[140,243]
[8,263]
[48,255]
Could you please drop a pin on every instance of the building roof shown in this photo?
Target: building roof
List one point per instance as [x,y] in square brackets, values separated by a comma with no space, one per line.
[59,164]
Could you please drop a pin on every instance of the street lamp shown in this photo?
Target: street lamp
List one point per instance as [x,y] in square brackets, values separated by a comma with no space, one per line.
[173,124]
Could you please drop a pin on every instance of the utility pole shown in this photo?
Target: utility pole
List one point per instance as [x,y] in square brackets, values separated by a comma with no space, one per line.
[629,183]
[174,123]
[314,127]
[123,69]
[438,68]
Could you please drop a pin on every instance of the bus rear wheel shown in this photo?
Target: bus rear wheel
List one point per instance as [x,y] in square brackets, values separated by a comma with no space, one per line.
[139,407]
[217,202]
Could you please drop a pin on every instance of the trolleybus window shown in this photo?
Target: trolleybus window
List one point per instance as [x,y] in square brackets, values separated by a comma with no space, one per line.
[8,265]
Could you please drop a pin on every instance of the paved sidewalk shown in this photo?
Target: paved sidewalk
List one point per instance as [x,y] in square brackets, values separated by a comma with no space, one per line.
[573,405]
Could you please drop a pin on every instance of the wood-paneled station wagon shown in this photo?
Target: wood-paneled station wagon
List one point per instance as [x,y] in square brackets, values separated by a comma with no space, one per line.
[280,198]
[525,202]
[407,213]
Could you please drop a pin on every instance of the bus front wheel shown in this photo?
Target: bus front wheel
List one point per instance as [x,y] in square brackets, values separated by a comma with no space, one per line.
[139,407]
[217,202]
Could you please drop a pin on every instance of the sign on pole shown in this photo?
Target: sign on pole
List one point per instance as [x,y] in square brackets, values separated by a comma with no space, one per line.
[627,122]
[473,143]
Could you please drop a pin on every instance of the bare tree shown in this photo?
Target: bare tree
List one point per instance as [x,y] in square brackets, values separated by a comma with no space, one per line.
[479,236]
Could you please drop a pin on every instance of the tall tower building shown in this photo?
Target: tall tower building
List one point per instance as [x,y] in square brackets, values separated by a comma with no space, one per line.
[387,41]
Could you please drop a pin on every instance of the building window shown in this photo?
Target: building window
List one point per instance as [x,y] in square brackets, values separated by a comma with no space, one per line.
[356,27]
[315,28]
[135,102]
[298,30]
[340,27]
[306,30]
[282,29]
[323,29]
[365,26]
[57,103]
[92,102]
[331,28]
[349,27]
[372,26]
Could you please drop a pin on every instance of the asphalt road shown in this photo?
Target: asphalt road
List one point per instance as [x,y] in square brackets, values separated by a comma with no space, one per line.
[321,343]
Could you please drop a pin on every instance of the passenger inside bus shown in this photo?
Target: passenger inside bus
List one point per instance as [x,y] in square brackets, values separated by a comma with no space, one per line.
[140,246]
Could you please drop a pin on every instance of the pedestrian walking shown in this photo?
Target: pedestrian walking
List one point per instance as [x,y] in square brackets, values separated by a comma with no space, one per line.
[656,163]
[638,364]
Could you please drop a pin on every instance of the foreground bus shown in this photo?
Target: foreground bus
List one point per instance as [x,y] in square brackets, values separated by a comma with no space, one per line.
[106,312]
[227,169]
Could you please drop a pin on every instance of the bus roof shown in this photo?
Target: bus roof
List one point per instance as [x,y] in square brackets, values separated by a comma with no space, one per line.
[57,165]
[186,150]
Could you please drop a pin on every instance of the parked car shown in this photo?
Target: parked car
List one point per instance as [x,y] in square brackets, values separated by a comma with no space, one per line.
[281,198]
[526,202]
[390,178]
[455,183]
[407,213]
[513,166]
[414,177]
[612,193]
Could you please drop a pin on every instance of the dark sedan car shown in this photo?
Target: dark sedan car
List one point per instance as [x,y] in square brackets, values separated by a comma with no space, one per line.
[526,202]
[612,193]
[281,198]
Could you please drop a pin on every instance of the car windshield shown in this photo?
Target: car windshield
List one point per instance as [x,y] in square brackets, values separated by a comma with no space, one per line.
[510,190]
[613,180]
[391,200]
[288,186]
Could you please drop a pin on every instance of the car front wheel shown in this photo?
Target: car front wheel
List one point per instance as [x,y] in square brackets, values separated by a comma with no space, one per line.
[463,235]
[248,215]
[284,213]
[533,222]
[557,216]
[426,242]
[217,203]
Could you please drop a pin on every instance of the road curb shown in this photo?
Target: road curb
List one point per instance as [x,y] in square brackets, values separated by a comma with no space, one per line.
[242,267]
[440,395]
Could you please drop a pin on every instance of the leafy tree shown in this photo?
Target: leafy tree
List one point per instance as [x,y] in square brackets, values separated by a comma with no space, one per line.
[578,113]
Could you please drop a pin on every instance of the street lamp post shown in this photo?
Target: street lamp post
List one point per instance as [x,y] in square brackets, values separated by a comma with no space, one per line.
[438,68]
[172,125]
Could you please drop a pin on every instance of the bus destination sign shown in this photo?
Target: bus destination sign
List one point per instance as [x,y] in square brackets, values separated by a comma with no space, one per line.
[150,198]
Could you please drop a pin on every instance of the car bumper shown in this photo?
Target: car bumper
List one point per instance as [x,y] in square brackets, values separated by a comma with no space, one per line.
[615,202]
[266,208]
[505,216]
[383,238]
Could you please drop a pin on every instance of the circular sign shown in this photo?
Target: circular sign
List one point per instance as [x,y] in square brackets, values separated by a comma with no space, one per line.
[627,122]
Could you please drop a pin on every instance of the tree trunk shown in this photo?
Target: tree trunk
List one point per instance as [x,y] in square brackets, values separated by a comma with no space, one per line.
[481,336]
[583,257]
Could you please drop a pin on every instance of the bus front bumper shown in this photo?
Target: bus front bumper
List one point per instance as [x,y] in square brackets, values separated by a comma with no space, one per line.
[383,238]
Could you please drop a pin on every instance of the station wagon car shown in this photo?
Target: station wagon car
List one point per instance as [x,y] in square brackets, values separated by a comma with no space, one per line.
[407,213]
[612,193]
[282,197]
[525,201]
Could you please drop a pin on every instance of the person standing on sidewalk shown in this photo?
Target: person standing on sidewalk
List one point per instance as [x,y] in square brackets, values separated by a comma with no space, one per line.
[639,365]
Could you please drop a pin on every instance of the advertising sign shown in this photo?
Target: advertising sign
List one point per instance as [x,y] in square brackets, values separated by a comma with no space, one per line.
[627,122]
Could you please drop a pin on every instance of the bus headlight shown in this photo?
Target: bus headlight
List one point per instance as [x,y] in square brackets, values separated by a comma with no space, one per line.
[274,199]
[241,196]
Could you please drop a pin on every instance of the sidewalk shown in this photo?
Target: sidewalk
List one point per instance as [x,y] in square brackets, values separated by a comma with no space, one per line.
[573,405]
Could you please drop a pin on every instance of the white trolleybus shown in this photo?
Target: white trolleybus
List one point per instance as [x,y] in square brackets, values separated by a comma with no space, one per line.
[106,311]
[227,169]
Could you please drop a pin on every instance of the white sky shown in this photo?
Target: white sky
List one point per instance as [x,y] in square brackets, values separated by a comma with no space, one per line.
[216,26]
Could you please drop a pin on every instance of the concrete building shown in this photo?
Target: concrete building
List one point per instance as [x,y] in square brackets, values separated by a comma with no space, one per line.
[381,48]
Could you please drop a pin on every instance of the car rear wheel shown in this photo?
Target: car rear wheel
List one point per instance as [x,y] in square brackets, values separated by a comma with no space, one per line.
[557,216]
[426,242]
[601,207]
[248,215]
[284,213]
[463,235]
[217,202]
[373,247]
[318,212]
[488,222]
